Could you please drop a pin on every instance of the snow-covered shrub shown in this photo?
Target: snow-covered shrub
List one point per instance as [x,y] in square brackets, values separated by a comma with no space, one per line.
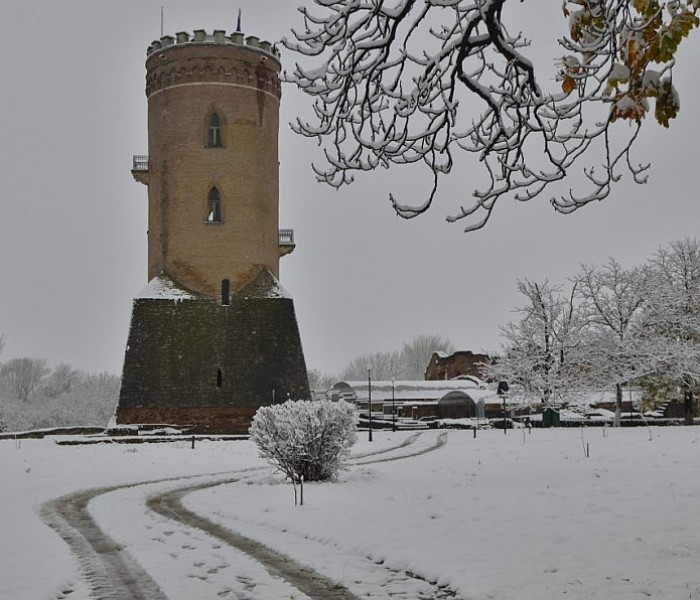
[305,438]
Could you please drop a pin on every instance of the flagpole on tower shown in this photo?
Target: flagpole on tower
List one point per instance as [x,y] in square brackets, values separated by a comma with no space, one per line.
[161,21]
[238,24]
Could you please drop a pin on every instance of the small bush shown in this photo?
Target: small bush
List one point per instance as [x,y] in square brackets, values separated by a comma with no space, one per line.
[305,438]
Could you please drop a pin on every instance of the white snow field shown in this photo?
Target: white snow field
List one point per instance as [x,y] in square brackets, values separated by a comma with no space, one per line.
[517,516]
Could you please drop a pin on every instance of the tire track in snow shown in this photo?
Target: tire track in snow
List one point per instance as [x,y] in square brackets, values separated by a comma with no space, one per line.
[306,579]
[303,578]
[110,571]
[439,443]
[411,439]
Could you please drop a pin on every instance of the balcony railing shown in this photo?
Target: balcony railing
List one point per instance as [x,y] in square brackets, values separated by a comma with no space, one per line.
[286,237]
[140,163]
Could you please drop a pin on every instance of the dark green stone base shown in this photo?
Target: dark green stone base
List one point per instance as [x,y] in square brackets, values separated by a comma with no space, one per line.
[198,364]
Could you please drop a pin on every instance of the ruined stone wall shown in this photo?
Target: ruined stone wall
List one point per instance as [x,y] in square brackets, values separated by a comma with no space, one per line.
[462,362]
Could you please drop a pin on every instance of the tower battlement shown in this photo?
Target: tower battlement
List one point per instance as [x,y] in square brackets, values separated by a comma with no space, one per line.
[218,36]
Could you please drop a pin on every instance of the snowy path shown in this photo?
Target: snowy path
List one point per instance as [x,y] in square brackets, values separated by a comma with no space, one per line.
[110,573]
[311,583]
[131,531]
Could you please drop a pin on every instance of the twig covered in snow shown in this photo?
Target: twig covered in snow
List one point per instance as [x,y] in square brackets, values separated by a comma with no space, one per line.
[390,81]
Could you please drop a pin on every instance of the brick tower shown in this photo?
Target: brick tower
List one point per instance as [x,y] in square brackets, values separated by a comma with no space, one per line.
[214,335]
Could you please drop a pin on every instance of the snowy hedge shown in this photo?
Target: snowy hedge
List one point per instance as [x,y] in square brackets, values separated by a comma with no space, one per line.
[305,438]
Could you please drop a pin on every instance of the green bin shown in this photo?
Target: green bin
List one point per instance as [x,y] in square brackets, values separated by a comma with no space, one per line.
[550,417]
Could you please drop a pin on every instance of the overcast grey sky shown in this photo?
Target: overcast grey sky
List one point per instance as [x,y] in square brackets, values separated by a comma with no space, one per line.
[73,223]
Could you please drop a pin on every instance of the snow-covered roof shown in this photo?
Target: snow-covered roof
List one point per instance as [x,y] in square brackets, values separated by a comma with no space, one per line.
[265,285]
[404,390]
[163,288]
[583,401]
[413,384]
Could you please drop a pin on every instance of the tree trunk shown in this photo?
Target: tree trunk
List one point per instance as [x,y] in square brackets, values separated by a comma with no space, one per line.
[618,404]
[688,402]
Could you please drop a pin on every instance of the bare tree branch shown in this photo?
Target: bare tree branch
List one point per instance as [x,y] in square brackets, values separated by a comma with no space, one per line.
[391,77]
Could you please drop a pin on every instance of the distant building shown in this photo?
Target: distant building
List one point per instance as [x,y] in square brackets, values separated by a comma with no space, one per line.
[214,335]
[457,399]
[443,366]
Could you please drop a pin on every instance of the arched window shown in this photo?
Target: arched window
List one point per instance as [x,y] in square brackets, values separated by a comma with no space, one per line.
[219,378]
[225,295]
[214,206]
[215,138]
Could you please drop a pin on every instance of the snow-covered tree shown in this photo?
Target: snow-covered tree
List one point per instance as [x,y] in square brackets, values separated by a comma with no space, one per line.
[20,377]
[394,82]
[619,351]
[320,381]
[309,439]
[64,398]
[60,381]
[541,358]
[673,317]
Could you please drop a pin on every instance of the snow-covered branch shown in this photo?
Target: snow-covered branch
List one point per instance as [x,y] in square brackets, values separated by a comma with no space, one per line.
[390,79]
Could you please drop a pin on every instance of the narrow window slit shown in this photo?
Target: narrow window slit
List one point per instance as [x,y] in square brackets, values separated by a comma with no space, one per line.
[225,292]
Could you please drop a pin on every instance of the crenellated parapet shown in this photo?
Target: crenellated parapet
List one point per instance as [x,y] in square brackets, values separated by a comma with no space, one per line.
[200,36]
[208,58]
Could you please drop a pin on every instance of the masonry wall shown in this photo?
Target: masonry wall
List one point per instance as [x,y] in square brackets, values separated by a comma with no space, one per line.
[185,85]
[207,367]
[195,359]
[462,362]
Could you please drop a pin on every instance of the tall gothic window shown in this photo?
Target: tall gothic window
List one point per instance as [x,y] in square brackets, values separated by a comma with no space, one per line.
[214,206]
[214,136]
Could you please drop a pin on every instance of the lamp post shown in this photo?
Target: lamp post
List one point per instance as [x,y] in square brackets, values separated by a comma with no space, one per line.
[393,405]
[503,392]
[369,388]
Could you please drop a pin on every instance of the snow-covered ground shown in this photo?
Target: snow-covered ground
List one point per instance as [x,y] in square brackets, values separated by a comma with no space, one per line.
[515,516]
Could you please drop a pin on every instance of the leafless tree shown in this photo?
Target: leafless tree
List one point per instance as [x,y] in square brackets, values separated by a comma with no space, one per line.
[59,381]
[319,381]
[408,363]
[383,365]
[416,353]
[20,377]
[391,82]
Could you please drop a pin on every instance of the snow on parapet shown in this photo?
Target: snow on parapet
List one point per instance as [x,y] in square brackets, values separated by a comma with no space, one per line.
[265,285]
[277,292]
[163,288]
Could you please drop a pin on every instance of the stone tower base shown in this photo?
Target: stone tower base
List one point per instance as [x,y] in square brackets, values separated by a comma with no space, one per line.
[204,366]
